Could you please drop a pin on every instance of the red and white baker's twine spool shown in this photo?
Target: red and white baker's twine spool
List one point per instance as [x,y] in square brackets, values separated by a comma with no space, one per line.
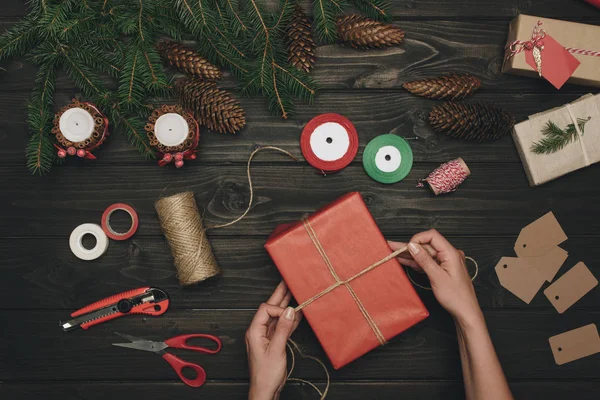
[536,40]
[447,177]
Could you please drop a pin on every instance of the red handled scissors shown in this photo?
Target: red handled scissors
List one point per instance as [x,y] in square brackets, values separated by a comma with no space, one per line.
[177,342]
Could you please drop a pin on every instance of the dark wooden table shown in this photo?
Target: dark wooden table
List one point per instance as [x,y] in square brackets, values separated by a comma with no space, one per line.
[41,282]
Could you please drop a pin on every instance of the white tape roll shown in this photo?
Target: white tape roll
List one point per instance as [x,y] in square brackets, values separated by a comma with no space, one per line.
[388,159]
[75,241]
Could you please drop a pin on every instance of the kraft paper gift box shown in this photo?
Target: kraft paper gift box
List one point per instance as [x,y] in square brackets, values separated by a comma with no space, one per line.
[568,34]
[352,319]
[579,153]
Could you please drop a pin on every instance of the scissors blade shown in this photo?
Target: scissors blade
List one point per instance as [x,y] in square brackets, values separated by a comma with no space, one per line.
[130,338]
[145,345]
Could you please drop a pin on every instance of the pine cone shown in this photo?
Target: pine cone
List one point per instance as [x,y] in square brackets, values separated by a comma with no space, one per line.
[363,32]
[471,121]
[446,87]
[300,43]
[212,107]
[188,61]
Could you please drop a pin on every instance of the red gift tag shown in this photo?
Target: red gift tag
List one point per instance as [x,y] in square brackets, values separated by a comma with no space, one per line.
[557,63]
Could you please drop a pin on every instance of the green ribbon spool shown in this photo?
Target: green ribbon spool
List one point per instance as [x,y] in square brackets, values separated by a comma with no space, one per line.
[388,158]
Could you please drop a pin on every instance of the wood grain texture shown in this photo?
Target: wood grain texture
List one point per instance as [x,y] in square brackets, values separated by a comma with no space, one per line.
[52,278]
[494,200]
[428,351]
[431,48]
[433,9]
[372,112]
[411,390]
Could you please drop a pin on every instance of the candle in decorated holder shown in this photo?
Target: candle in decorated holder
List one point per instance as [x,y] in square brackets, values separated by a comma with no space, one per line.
[174,133]
[79,128]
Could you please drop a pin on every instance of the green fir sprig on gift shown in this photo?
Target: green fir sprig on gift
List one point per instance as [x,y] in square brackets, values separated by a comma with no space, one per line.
[556,138]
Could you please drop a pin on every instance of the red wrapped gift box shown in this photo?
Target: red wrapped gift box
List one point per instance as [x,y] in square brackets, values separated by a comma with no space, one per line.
[351,319]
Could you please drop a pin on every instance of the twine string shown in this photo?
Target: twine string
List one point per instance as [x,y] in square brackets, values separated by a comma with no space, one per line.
[586,158]
[537,35]
[429,287]
[294,348]
[257,150]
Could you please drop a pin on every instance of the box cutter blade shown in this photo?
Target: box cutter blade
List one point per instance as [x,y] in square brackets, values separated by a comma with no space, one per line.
[145,300]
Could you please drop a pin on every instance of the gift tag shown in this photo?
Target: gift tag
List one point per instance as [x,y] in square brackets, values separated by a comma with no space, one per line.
[519,278]
[571,287]
[329,142]
[388,158]
[549,263]
[539,237]
[573,345]
[553,60]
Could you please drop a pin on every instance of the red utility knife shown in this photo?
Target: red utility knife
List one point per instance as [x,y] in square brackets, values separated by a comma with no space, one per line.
[145,300]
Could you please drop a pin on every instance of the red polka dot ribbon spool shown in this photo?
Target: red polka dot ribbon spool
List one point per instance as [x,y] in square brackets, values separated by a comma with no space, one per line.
[447,177]
[329,142]
[110,232]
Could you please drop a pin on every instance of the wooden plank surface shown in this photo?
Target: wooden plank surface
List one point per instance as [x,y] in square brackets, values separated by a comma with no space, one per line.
[405,390]
[495,200]
[43,282]
[428,351]
[54,279]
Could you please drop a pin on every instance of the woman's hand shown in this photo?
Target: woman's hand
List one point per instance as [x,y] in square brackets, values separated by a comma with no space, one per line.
[266,340]
[446,269]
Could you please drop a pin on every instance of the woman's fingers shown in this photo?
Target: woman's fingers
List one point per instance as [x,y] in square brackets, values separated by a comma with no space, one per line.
[260,323]
[443,249]
[286,300]
[278,295]
[422,257]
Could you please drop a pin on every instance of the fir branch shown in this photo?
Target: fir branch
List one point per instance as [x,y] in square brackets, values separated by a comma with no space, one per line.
[324,20]
[374,9]
[134,129]
[556,138]
[19,39]
[39,152]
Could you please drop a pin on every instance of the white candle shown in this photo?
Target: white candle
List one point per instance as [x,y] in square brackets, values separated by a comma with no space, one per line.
[171,129]
[76,124]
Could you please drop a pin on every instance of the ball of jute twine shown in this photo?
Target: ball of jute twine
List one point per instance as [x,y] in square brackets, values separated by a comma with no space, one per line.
[182,225]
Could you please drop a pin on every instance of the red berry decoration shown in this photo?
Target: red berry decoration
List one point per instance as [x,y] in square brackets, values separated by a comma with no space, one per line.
[174,133]
[79,128]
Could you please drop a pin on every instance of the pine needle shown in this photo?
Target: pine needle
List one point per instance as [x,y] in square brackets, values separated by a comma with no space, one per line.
[556,138]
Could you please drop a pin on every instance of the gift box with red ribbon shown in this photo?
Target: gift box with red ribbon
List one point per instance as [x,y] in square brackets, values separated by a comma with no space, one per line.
[558,51]
[334,263]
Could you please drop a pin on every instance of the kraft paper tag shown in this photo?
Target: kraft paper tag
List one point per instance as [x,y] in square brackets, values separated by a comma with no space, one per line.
[539,237]
[571,287]
[519,278]
[549,263]
[573,345]
[557,63]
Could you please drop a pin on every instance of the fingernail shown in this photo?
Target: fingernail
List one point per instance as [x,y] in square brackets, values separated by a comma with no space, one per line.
[414,248]
[289,313]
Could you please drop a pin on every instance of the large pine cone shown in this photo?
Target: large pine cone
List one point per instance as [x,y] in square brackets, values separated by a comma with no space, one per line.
[446,87]
[300,43]
[471,121]
[362,32]
[212,107]
[187,60]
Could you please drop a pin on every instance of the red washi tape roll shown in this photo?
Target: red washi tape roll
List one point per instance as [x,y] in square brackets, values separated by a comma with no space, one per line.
[110,232]
[329,142]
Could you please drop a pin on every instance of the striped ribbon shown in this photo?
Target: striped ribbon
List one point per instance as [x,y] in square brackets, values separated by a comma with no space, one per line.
[537,37]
